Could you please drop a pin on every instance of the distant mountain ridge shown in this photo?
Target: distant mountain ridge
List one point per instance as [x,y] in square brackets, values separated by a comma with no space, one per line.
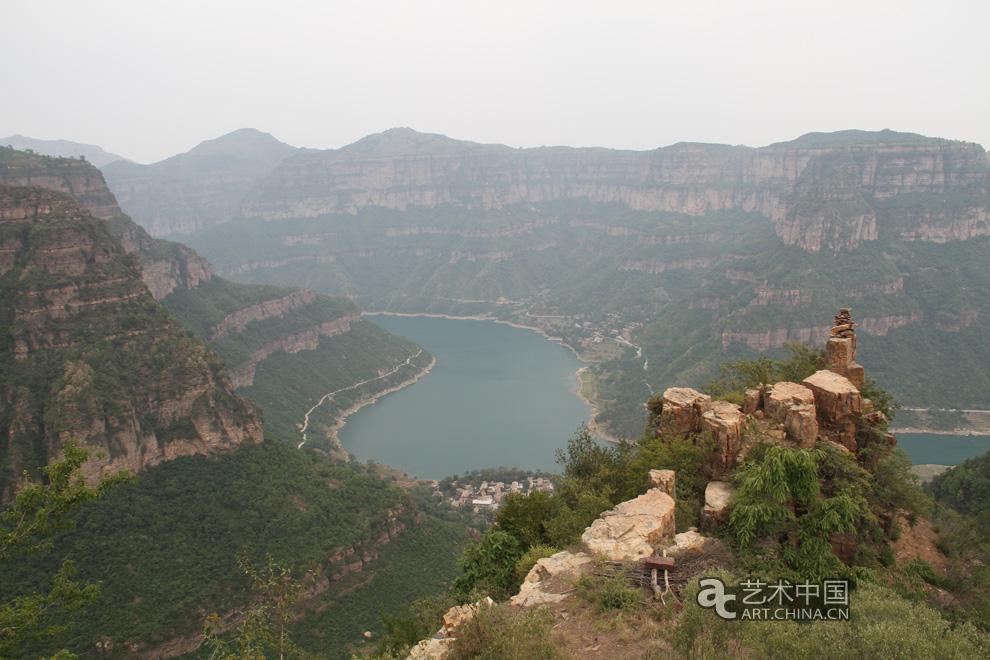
[62,148]
[718,251]
[815,195]
[192,191]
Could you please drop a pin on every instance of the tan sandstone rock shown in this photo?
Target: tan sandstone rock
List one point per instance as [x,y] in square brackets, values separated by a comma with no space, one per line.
[458,616]
[784,395]
[665,480]
[839,406]
[752,401]
[551,578]
[725,422]
[716,510]
[633,528]
[684,407]
[801,425]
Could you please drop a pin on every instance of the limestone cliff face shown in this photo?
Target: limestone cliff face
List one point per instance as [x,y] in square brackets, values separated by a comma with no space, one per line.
[242,375]
[165,265]
[88,354]
[238,320]
[818,196]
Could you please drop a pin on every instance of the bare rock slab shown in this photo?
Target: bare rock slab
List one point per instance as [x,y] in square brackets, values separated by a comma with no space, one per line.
[684,407]
[839,406]
[633,528]
[725,421]
[665,480]
[718,494]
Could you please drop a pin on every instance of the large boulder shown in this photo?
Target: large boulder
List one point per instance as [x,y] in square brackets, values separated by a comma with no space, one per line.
[551,579]
[839,406]
[716,511]
[782,396]
[801,425]
[840,356]
[752,401]
[665,480]
[725,422]
[683,407]
[633,528]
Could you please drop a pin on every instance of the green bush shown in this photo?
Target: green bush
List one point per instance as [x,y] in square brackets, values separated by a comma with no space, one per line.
[609,593]
[499,633]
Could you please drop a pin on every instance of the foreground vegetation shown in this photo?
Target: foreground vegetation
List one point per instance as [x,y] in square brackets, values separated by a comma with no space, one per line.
[165,549]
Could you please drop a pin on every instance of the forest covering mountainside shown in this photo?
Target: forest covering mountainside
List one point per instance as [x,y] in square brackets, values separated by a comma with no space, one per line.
[691,254]
[88,354]
[263,327]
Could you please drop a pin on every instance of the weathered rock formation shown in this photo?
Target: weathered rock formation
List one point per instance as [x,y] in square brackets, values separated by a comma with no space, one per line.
[237,321]
[242,374]
[633,528]
[165,265]
[91,356]
[839,407]
[725,423]
[819,193]
[840,349]
[718,494]
[664,480]
[688,411]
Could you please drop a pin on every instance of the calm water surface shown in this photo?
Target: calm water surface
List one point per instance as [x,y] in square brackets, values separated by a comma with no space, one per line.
[926,448]
[498,395]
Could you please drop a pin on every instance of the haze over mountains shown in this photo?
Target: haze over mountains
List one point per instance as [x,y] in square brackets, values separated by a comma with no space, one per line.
[697,252]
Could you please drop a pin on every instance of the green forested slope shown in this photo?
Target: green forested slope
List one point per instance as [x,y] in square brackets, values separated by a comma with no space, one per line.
[165,548]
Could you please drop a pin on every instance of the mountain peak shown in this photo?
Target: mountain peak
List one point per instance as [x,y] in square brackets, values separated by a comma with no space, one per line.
[242,142]
[402,141]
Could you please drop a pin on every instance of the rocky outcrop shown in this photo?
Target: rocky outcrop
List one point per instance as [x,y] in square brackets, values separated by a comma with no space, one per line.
[633,528]
[683,408]
[839,407]
[665,480]
[237,321]
[725,423]
[783,396]
[819,194]
[165,265]
[718,494]
[840,349]
[112,369]
[242,374]
[762,340]
[550,579]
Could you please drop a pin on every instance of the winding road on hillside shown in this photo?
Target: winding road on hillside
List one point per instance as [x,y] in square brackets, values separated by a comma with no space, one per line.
[327,397]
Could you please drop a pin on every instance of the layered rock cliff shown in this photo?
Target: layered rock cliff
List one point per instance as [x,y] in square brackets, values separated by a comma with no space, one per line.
[818,194]
[242,373]
[165,265]
[86,352]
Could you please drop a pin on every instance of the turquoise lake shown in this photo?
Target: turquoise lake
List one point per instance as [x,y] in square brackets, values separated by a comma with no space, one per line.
[926,448]
[497,396]
[501,395]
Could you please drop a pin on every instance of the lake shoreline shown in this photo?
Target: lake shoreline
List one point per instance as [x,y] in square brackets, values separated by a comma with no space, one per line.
[339,423]
[973,432]
[593,425]
[559,340]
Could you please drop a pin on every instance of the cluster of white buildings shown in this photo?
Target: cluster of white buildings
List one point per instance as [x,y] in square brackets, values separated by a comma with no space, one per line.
[488,496]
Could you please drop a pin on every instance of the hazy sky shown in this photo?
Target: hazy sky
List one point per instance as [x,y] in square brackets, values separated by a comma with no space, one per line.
[148,79]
